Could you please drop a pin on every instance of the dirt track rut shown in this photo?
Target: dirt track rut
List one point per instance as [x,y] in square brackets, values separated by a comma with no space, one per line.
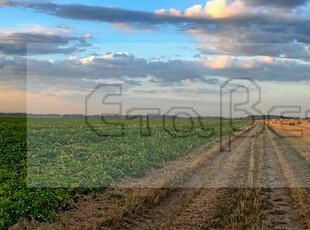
[260,184]
[253,162]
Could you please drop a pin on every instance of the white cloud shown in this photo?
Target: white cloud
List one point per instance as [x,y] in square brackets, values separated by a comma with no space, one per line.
[38,29]
[87,36]
[212,9]
[225,62]
[110,58]
[231,62]
[171,12]
[194,11]
[4,2]
[87,60]
[123,27]
[223,8]
[47,40]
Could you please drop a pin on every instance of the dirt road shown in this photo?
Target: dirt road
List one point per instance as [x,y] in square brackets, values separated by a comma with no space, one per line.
[257,161]
[262,183]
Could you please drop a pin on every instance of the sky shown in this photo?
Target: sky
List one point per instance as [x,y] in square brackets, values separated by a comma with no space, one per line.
[216,57]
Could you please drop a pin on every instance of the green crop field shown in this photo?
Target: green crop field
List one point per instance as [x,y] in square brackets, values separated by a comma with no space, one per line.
[47,162]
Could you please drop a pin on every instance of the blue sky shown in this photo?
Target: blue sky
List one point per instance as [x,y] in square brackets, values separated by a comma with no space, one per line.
[103,32]
[164,53]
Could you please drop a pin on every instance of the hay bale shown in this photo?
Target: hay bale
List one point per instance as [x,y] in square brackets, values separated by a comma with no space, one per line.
[273,122]
[291,123]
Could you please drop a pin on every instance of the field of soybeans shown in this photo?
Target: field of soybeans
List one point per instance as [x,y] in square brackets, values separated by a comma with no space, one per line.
[47,163]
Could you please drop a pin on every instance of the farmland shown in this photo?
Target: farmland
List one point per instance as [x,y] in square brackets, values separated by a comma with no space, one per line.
[296,132]
[66,159]
[261,183]
[60,174]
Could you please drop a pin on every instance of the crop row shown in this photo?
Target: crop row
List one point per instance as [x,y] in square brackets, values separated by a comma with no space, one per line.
[45,163]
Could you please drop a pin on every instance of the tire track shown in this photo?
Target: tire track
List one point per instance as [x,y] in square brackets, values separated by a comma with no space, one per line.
[191,206]
[255,186]
[130,199]
[255,166]
[282,210]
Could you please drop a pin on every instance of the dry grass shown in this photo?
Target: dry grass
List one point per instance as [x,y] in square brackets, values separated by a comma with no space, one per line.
[135,202]
[299,195]
[131,197]
[298,136]
[246,205]
[290,122]
[246,210]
